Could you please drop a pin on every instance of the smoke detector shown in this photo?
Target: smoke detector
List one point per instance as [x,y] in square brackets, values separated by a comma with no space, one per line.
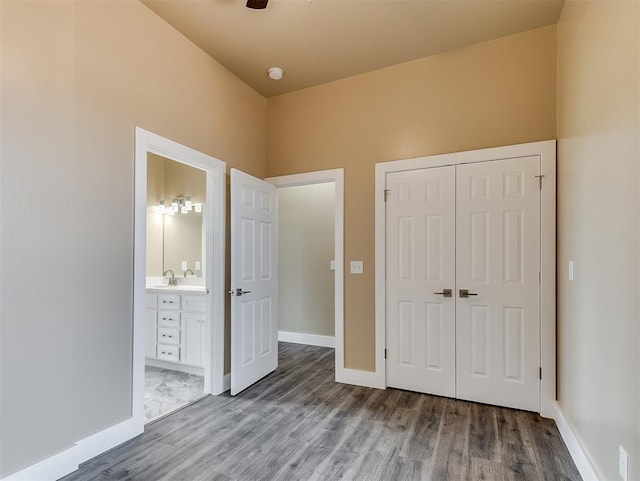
[275,73]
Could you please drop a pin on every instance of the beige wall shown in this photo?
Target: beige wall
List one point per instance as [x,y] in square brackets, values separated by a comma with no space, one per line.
[76,77]
[495,93]
[598,210]
[306,241]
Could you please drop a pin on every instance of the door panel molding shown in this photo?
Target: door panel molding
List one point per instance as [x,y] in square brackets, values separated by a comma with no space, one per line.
[546,150]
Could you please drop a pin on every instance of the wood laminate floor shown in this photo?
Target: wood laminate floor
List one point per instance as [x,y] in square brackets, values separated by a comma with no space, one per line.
[297,424]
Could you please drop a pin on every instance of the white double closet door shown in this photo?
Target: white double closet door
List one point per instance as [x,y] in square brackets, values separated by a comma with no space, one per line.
[474,228]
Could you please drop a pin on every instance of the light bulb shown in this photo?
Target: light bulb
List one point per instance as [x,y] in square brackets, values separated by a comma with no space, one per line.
[188,204]
[161,207]
[175,204]
[184,209]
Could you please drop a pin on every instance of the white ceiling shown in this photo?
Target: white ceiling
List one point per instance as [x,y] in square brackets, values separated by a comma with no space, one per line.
[317,41]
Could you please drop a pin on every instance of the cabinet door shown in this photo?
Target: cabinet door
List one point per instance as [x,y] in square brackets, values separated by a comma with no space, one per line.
[192,336]
[151,338]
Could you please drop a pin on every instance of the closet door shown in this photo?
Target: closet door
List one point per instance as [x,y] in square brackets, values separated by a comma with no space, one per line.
[420,268]
[498,264]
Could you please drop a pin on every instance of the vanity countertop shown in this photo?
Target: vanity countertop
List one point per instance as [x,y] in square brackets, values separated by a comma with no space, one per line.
[186,289]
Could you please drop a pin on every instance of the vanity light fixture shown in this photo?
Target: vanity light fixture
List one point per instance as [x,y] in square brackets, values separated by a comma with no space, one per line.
[178,204]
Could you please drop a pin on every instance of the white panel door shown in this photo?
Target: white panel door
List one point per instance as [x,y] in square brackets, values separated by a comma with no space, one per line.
[420,266]
[498,262]
[254,286]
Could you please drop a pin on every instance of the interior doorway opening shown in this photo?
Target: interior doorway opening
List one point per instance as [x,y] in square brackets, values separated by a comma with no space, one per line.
[298,267]
[306,245]
[176,266]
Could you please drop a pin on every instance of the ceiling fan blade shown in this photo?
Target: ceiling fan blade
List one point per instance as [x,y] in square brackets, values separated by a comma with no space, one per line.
[257,4]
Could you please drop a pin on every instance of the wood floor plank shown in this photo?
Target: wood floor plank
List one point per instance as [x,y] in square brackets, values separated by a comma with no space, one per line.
[483,433]
[297,424]
[451,454]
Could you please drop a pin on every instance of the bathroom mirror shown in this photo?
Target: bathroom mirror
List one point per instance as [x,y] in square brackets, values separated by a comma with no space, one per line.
[175,205]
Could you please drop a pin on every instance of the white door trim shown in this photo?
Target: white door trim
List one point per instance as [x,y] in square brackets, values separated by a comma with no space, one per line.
[547,152]
[213,269]
[319,177]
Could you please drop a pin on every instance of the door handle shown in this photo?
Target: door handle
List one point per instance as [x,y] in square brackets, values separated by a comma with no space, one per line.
[464,293]
[238,292]
[445,293]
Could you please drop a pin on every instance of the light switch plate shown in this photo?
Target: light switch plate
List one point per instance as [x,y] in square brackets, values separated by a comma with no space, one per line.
[357,267]
[197,265]
[183,265]
[332,265]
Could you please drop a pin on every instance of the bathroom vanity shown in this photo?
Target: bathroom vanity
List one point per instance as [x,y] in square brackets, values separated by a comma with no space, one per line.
[176,326]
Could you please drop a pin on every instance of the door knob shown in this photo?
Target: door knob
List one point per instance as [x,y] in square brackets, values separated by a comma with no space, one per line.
[238,292]
[464,293]
[445,293]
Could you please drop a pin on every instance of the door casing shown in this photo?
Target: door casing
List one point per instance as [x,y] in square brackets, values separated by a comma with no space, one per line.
[145,142]
[546,150]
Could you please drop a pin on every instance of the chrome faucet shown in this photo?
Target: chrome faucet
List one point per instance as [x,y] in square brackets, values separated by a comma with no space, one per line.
[188,270]
[173,281]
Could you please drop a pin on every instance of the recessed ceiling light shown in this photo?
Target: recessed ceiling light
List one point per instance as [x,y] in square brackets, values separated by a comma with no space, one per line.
[275,73]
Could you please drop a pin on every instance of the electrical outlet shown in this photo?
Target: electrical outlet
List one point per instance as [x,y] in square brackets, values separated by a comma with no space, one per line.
[623,464]
[356,267]
[183,265]
[571,271]
[197,265]
[332,265]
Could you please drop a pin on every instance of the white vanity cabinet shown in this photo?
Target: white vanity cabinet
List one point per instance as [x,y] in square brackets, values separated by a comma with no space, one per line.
[177,333]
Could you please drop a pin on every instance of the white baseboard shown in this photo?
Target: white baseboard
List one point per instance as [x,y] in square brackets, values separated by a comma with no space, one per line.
[66,462]
[310,339]
[226,382]
[360,378]
[575,448]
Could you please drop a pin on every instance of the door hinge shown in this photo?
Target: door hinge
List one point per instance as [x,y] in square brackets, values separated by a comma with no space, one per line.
[540,373]
[540,177]
[386,194]
[385,352]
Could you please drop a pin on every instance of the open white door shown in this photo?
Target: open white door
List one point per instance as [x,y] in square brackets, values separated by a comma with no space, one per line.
[254,280]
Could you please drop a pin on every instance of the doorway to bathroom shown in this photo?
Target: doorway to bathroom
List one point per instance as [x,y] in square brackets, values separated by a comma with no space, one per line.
[175,317]
[178,350]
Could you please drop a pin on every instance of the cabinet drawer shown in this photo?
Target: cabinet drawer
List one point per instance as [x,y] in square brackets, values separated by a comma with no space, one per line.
[167,335]
[169,301]
[168,353]
[194,303]
[152,301]
[169,319]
